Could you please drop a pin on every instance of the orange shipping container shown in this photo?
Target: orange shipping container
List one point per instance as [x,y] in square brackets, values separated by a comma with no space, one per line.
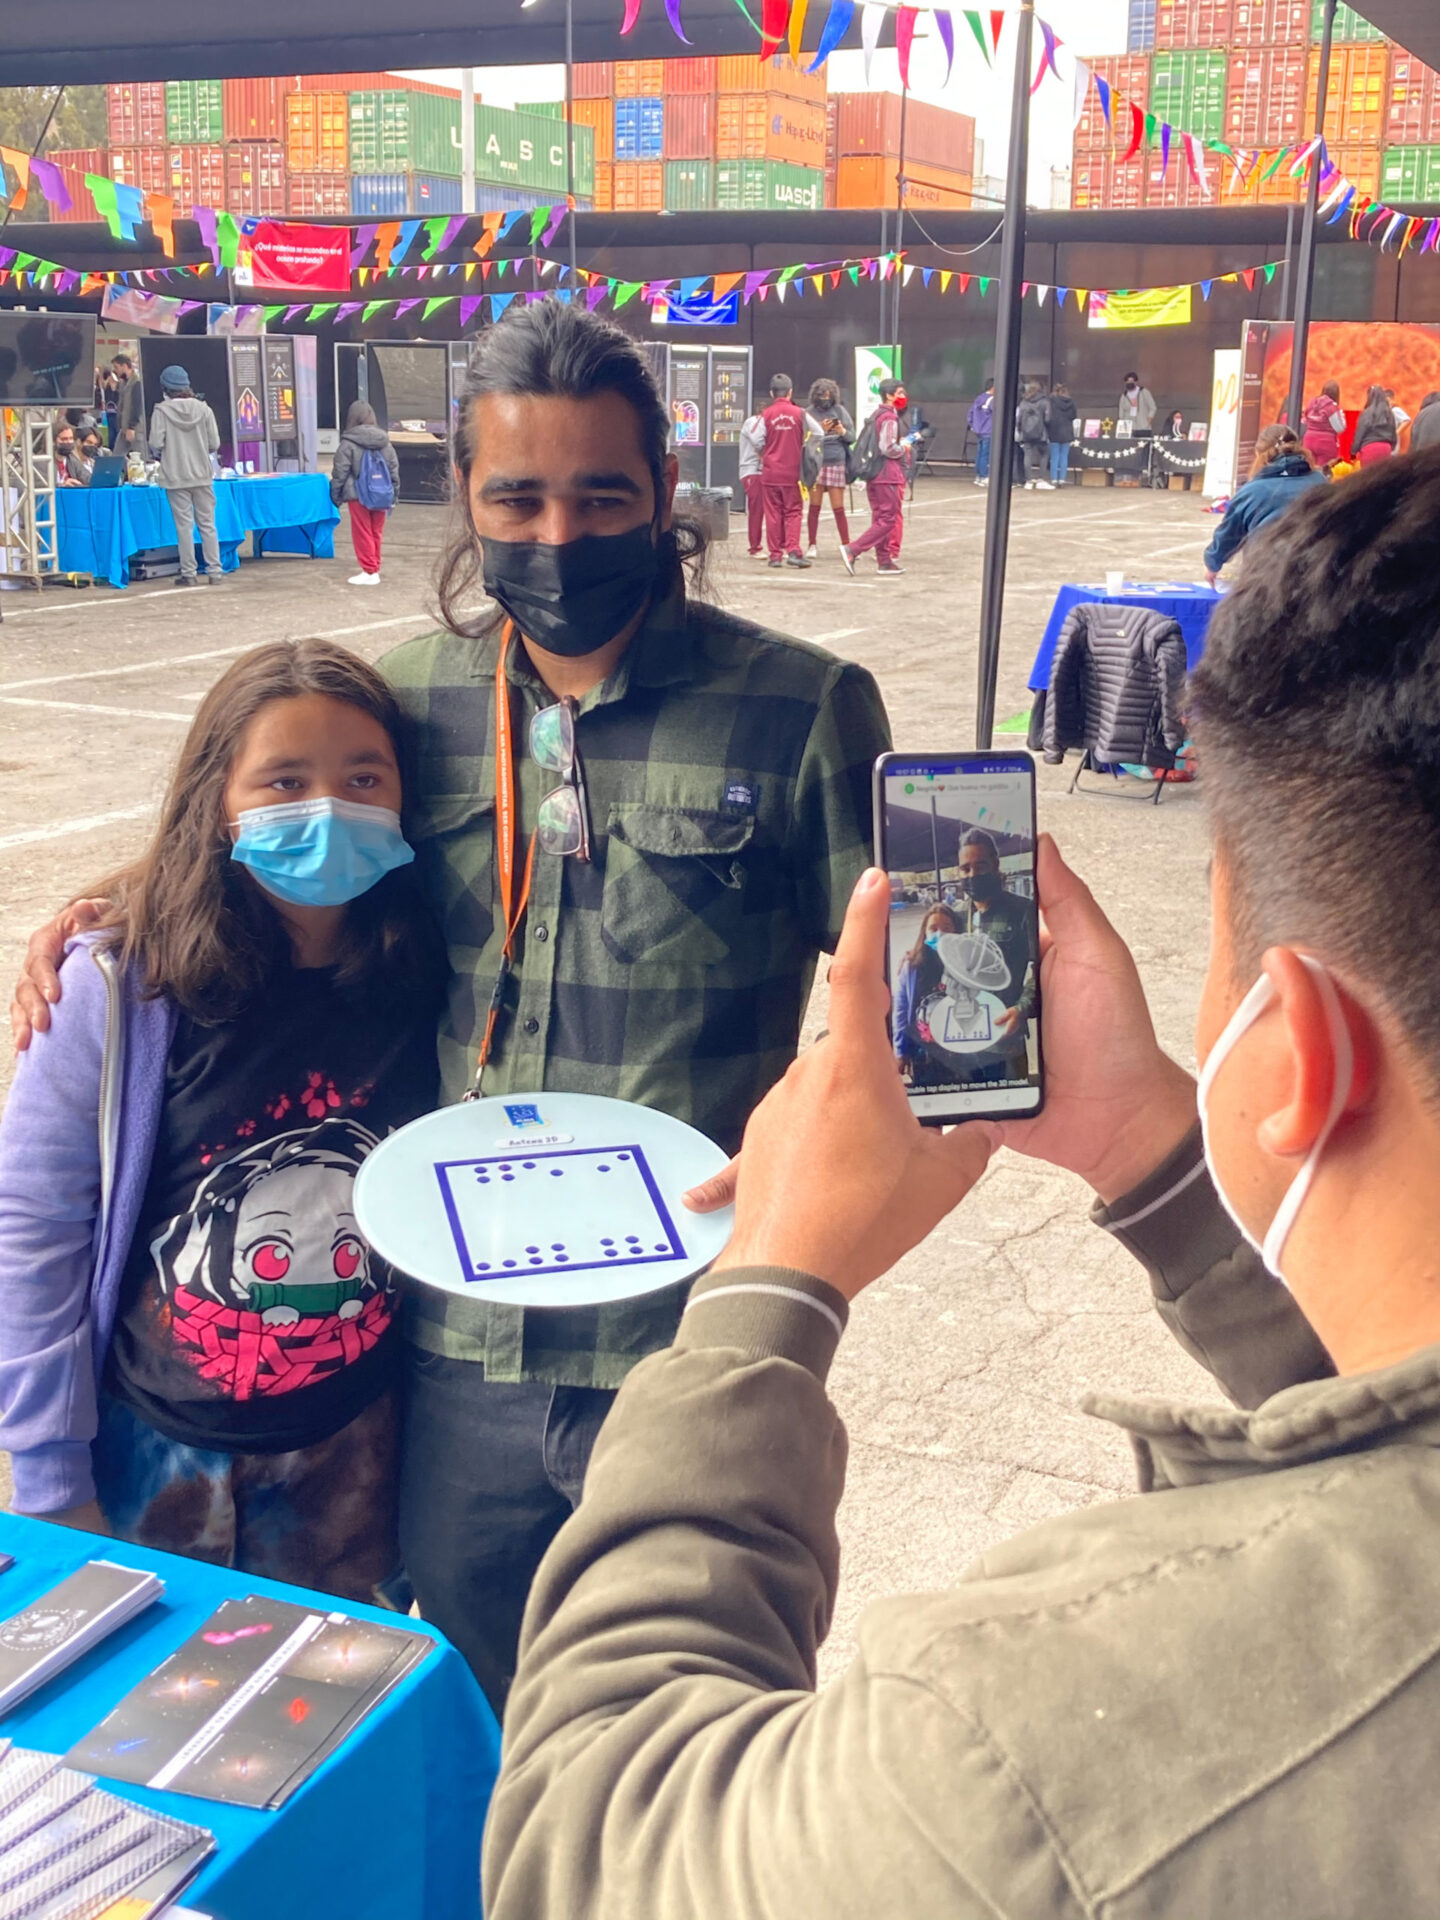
[639,186]
[604,186]
[690,76]
[768,126]
[136,113]
[748,73]
[869,180]
[1100,181]
[599,116]
[593,80]
[255,178]
[639,78]
[317,196]
[689,125]
[254,109]
[147,168]
[1270,23]
[367,83]
[1355,101]
[1265,97]
[1412,116]
[870,123]
[317,132]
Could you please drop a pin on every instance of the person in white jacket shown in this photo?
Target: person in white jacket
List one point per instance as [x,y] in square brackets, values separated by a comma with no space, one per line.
[752,442]
[184,435]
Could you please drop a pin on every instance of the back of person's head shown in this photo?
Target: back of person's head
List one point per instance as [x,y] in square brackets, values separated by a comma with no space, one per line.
[780,385]
[360,413]
[1316,713]
[1431,400]
[187,915]
[1331,390]
[554,349]
[1274,443]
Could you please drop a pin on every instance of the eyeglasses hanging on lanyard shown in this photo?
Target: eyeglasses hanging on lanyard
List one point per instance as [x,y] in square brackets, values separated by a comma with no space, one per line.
[562,824]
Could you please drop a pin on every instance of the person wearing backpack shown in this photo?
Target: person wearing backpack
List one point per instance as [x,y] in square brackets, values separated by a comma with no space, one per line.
[881,458]
[366,477]
[1032,430]
[184,436]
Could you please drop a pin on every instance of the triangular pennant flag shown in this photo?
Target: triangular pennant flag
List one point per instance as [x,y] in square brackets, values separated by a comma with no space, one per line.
[386,236]
[1040,292]
[319,313]
[854,273]
[817,280]
[1137,132]
[947,274]
[835,276]
[798,10]
[997,23]
[977,27]
[984,285]
[925,273]
[290,312]
[1205,286]
[1164,148]
[945,27]
[363,275]
[468,304]
[1248,276]
[774,18]
[1269,272]
[1060,293]
[872,18]
[102,192]
[1024,288]
[837,25]
[373,307]
[725,282]
[627,292]
[227,232]
[905,273]
[905,19]
[1102,87]
[273,313]
[1047,57]
[964,279]
[432,305]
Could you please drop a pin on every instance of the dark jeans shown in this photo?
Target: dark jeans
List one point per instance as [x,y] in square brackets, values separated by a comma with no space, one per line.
[489,1472]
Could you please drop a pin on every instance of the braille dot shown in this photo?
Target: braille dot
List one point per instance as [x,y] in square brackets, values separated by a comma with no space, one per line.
[529,1166]
[624,1156]
[602,1169]
[611,1254]
[557,1246]
[532,1249]
[483,1265]
[632,1239]
[557,1173]
[562,1259]
[660,1247]
[607,1243]
[509,1263]
[507,1178]
[536,1262]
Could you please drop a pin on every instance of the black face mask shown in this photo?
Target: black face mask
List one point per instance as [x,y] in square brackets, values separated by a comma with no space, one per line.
[573,598]
[982,887]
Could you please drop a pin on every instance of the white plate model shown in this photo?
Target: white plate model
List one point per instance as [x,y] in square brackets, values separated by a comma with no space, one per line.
[542,1200]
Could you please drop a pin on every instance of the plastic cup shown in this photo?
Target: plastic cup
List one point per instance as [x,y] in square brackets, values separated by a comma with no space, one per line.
[1114,581]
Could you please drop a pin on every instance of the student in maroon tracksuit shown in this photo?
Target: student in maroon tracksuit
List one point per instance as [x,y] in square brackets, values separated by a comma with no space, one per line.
[887,491]
[784,426]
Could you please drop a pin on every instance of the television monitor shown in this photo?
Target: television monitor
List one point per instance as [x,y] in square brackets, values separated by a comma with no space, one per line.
[46,359]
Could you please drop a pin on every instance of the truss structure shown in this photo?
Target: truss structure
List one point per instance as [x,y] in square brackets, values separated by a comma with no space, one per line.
[29,542]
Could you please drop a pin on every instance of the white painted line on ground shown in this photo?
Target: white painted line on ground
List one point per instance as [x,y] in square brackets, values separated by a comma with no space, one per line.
[80,603]
[839,633]
[80,706]
[85,823]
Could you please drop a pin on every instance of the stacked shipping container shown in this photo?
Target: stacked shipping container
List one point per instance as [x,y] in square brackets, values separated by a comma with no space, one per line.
[1246,71]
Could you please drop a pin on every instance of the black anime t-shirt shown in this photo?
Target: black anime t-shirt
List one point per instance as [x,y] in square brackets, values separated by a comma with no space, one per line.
[253,1317]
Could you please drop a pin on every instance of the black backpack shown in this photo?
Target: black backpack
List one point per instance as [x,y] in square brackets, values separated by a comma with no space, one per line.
[1032,422]
[863,459]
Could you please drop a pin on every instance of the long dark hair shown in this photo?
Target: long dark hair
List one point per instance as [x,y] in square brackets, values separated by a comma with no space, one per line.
[190,920]
[1377,412]
[1274,443]
[554,348]
[918,951]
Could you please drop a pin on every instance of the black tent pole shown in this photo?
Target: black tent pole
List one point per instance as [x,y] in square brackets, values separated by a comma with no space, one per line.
[1007,383]
[899,274]
[1305,267]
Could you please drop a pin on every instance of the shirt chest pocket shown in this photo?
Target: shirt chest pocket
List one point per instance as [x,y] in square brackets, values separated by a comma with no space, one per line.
[674,885]
[454,839]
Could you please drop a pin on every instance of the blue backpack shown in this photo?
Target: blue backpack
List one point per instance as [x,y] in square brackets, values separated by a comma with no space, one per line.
[373,486]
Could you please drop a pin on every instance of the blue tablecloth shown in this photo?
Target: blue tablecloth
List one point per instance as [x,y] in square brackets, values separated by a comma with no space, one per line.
[1191,606]
[100,527]
[387,1829]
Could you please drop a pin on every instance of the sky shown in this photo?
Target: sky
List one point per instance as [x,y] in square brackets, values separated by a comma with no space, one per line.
[1082,27]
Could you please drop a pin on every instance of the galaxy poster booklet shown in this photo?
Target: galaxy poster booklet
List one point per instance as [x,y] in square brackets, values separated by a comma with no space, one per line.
[69,1851]
[248,1708]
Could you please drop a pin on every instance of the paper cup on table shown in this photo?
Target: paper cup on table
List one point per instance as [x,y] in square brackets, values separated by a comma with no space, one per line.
[1114,582]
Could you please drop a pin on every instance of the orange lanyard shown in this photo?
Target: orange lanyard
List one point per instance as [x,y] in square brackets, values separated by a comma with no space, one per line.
[505,825]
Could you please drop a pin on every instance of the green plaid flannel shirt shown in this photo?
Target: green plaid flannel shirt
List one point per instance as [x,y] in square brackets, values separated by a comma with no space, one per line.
[729,773]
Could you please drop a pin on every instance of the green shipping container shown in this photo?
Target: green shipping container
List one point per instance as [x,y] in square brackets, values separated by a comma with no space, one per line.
[545,109]
[689,185]
[192,112]
[751,186]
[1411,173]
[526,150]
[1188,90]
[1348,24]
[392,131]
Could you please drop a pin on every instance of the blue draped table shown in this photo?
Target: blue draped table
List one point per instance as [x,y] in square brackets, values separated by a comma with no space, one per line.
[1191,606]
[100,527]
[388,1828]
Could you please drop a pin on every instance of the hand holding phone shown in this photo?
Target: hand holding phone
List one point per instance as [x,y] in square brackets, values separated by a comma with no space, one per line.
[956,835]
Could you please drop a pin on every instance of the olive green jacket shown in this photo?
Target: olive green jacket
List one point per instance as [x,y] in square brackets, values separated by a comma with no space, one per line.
[1221,1698]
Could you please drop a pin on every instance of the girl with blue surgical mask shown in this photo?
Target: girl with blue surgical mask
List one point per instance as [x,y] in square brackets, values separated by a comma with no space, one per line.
[198,1350]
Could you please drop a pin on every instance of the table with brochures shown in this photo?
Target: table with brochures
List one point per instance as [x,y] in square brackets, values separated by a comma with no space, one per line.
[389,1824]
[100,527]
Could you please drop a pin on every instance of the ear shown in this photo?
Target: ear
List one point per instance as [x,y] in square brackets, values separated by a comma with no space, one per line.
[669,481]
[1294,1128]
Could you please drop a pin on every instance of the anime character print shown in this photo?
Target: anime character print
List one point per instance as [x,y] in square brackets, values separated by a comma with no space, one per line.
[266,1279]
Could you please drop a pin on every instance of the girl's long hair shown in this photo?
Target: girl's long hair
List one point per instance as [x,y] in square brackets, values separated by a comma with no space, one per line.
[917,952]
[1273,442]
[190,920]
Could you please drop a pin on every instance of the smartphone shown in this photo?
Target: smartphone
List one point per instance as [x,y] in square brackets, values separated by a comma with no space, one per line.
[956,834]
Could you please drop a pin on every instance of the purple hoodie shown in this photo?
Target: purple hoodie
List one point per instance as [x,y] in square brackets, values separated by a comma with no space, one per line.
[76,1142]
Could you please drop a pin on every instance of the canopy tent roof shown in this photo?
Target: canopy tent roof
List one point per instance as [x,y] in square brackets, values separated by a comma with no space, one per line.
[88,41]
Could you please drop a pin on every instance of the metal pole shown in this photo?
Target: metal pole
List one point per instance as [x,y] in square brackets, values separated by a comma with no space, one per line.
[1305,269]
[899,220]
[1007,383]
[935,849]
[1289,248]
[884,288]
[467,140]
[570,131]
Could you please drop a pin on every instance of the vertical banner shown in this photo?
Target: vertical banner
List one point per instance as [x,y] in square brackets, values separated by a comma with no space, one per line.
[872,365]
[1224,424]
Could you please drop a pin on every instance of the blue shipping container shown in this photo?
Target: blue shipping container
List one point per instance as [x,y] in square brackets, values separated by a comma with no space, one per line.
[387,196]
[639,129]
[1141,37]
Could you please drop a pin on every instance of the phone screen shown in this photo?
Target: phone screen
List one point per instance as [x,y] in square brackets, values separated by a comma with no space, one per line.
[956,834]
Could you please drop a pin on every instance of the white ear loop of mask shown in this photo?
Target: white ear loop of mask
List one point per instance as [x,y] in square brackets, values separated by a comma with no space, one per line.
[1256,1001]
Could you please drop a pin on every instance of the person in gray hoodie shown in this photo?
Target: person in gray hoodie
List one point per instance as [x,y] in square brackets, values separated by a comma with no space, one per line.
[359,485]
[184,435]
